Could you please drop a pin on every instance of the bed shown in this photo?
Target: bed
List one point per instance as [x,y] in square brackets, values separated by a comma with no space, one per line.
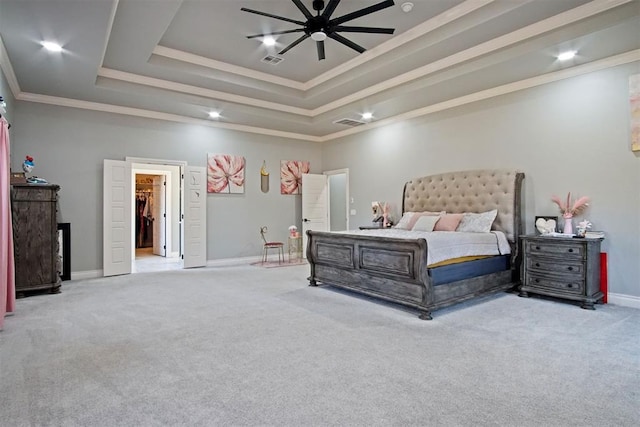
[397,267]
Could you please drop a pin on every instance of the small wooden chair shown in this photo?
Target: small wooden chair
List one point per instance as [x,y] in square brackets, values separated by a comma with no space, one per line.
[279,246]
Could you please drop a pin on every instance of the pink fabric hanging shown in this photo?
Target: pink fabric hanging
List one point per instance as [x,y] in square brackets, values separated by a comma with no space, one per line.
[7,276]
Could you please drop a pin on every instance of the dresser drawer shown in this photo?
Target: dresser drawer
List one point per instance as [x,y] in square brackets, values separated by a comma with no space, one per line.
[574,269]
[568,285]
[555,249]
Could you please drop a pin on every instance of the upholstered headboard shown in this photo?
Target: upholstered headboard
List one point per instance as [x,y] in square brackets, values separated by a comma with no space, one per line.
[470,191]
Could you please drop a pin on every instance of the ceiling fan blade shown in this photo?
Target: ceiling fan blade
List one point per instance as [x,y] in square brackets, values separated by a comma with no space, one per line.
[257,12]
[362,12]
[320,46]
[303,9]
[295,43]
[326,13]
[275,33]
[375,30]
[346,42]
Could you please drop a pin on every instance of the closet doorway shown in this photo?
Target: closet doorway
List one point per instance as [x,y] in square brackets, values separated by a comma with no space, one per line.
[154,227]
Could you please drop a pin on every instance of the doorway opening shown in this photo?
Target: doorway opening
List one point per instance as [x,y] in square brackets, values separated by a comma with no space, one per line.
[156,238]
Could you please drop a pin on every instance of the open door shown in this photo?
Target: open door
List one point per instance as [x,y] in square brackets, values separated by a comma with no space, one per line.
[195,217]
[315,209]
[159,213]
[116,232]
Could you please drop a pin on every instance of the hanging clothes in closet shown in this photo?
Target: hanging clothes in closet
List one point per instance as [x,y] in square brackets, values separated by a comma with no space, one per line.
[144,219]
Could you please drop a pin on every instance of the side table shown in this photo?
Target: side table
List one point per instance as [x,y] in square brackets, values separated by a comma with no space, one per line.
[294,246]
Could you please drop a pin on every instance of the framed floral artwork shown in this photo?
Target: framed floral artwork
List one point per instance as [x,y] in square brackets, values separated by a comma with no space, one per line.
[291,175]
[225,174]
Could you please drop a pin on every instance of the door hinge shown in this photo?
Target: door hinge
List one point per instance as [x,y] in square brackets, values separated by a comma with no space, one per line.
[164,247]
[182,256]
[164,215]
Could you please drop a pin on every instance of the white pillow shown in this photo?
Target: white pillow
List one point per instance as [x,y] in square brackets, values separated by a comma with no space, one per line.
[404,221]
[477,222]
[426,223]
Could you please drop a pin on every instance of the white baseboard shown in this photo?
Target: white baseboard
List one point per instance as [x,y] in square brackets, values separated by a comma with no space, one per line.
[623,300]
[83,275]
[227,262]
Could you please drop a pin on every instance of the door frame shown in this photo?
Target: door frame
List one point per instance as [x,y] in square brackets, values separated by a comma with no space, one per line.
[344,171]
[181,164]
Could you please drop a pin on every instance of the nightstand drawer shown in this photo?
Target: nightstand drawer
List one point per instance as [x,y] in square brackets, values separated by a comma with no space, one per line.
[564,268]
[569,286]
[554,248]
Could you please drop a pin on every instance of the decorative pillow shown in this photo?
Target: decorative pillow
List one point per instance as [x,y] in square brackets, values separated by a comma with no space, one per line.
[448,222]
[404,221]
[409,219]
[426,223]
[478,222]
[418,215]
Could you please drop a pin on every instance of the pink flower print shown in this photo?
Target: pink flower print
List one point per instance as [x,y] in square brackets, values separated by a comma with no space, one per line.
[225,172]
[291,175]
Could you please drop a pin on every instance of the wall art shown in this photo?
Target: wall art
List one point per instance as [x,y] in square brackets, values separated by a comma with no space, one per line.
[291,175]
[225,174]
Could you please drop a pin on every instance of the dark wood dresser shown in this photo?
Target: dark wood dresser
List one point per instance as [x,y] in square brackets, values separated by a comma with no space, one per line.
[562,267]
[35,237]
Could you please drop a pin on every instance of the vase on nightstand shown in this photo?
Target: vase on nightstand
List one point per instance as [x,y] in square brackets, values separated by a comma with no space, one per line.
[568,226]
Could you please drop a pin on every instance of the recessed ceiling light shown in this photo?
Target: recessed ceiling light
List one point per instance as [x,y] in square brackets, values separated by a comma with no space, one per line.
[367,116]
[269,41]
[564,56]
[52,47]
[214,114]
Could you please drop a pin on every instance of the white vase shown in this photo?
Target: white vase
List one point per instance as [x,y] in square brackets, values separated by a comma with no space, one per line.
[568,226]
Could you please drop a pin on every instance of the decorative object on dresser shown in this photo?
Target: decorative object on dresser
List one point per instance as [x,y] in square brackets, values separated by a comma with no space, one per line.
[562,267]
[546,224]
[35,237]
[569,211]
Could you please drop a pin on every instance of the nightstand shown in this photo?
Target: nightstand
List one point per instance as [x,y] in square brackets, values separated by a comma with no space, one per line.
[562,267]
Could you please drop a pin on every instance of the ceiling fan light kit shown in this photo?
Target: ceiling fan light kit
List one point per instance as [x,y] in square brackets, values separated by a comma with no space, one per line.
[322,26]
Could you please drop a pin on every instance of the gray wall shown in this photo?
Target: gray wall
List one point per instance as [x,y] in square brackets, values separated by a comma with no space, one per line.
[571,135]
[69,146]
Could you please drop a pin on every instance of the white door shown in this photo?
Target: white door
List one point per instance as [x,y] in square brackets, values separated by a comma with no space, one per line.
[315,209]
[116,231]
[159,214]
[195,217]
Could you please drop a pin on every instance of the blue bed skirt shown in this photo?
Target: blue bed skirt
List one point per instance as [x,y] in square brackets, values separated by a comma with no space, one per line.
[465,270]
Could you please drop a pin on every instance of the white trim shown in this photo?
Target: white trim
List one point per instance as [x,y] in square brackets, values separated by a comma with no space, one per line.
[174,255]
[199,91]
[7,68]
[612,61]
[623,300]
[84,275]
[112,17]
[228,262]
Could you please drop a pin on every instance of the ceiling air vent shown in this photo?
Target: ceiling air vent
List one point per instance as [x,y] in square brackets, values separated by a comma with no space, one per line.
[272,59]
[349,122]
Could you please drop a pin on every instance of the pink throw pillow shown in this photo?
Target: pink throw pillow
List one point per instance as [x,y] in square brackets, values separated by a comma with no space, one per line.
[448,222]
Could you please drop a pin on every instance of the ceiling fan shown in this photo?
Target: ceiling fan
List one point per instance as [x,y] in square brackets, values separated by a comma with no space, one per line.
[321,26]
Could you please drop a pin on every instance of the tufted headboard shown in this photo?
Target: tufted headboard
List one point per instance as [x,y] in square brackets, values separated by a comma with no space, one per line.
[470,191]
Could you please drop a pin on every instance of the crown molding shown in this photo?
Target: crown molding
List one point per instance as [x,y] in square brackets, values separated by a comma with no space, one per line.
[518,36]
[7,68]
[157,115]
[612,61]
[199,91]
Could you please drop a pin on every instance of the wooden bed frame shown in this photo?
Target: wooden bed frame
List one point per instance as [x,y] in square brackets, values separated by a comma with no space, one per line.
[396,269]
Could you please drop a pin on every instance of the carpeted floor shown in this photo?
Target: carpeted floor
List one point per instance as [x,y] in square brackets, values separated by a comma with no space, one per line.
[247,346]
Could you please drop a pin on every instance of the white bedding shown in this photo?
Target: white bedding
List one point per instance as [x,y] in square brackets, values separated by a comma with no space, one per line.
[444,245]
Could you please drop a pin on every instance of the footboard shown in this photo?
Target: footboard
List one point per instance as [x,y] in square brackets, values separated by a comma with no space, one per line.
[391,269]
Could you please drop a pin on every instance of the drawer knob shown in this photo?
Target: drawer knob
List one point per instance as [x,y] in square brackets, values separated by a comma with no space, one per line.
[538,247]
[570,249]
[570,285]
[537,264]
[570,268]
[537,280]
